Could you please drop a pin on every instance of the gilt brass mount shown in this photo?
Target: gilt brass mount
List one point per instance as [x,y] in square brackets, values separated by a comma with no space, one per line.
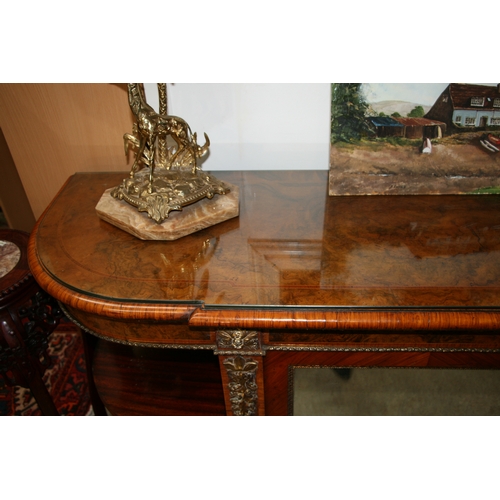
[165,175]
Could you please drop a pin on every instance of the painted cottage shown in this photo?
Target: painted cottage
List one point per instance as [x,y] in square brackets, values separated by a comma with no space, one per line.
[411,128]
[464,105]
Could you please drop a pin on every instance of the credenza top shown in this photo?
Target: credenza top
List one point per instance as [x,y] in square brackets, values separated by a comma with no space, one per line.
[292,246]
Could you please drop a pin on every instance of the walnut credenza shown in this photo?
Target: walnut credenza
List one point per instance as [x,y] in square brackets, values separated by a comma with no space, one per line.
[215,322]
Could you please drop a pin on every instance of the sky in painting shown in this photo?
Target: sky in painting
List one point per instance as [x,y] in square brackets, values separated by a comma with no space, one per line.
[419,93]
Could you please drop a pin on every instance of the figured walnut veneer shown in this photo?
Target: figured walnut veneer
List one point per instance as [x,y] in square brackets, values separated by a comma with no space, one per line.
[314,275]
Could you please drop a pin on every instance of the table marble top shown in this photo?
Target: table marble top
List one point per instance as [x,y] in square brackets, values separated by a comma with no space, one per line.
[9,257]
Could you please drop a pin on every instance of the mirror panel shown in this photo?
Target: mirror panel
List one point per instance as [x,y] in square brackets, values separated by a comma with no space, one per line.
[395,391]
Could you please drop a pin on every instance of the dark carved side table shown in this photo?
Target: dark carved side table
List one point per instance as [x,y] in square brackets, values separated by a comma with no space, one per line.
[27,316]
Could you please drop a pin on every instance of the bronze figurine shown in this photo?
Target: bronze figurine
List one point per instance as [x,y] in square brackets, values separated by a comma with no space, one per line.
[165,175]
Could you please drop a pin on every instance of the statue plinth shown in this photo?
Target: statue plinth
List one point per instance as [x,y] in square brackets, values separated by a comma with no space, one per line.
[194,217]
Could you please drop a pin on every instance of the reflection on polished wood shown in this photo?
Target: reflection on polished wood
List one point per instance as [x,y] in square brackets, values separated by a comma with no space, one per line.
[158,381]
[312,274]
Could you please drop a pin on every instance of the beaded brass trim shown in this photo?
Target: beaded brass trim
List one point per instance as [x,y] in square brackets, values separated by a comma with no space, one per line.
[378,349]
[135,344]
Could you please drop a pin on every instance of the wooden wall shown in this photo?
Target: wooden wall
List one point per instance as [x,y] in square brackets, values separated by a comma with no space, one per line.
[13,201]
[55,130]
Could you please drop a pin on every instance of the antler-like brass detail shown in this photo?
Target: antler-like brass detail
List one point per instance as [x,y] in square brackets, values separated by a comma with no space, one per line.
[163,177]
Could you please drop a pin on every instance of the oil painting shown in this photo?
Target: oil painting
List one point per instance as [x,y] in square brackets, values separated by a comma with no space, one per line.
[414,138]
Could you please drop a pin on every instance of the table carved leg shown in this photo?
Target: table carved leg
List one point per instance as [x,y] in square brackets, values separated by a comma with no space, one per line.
[240,356]
[24,335]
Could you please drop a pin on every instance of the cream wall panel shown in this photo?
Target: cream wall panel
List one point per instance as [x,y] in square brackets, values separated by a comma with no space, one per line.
[256,126]
[55,130]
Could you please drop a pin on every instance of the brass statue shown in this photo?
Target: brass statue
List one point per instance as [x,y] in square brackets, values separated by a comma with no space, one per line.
[165,175]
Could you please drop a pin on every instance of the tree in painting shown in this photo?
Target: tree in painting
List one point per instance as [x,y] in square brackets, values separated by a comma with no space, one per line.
[417,112]
[348,112]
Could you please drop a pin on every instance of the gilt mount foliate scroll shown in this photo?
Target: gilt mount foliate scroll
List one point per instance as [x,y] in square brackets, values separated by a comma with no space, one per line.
[166,174]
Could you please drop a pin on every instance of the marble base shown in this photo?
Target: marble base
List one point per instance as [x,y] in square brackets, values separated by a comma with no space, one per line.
[190,219]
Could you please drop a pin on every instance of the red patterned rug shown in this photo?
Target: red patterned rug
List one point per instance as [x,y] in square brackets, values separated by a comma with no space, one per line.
[66,379]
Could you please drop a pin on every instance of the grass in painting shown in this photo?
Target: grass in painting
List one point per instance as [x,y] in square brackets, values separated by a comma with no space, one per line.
[399,141]
[488,190]
[378,144]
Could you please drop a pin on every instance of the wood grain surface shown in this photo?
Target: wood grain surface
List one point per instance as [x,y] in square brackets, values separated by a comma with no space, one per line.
[56,129]
[293,258]
[144,381]
[327,281]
